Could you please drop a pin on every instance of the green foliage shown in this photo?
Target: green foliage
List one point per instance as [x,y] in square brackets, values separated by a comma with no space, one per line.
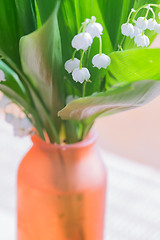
[41,60]
[27,15]
[134,65]
[128,96]
[35,75]
[12,84]
[128,75]
[10,30]
[115,13]
[46,8]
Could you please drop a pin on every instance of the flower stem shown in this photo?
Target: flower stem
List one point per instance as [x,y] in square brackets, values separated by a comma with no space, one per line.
[84,89]
[147,13]
[80,29]
[144,6]
[84,27]
[121,43]
[132,10]
[81,60]
[153,13]
[74,54]
[100,45]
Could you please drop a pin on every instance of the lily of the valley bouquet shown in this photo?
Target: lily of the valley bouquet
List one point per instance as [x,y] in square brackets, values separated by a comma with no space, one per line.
[67,62]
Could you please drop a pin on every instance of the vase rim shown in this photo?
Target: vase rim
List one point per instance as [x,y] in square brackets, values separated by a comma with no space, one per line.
[88,141]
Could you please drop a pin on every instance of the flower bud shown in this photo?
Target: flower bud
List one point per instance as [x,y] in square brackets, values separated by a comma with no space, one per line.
[151,24]
[142,23]
[80,75]
[101,61]
[87,20]
[93,19]
[82,41]
[71,64]
[94,29]
[133,10]
[127,29]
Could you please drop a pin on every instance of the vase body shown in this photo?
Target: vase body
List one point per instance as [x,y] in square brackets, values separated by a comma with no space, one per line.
[61,192]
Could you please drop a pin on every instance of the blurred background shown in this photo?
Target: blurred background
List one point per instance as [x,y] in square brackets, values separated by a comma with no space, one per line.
[134,134]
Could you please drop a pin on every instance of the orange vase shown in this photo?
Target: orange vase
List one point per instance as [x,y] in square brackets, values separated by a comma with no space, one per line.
[61,192]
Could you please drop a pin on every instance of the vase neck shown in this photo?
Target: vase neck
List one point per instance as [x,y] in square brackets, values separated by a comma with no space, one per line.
[87,144]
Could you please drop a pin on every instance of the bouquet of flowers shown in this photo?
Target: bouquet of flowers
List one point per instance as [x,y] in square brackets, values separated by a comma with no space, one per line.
[67,62]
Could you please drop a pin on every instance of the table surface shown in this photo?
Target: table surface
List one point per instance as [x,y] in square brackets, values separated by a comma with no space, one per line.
[133,197]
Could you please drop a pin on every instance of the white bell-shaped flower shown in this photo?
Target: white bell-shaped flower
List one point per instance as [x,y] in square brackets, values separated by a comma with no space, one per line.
[136,32]
[151,24]
[94,29]
[10,118]
[159,15]
[82,41]
[141,40]
[22,127]
[127,29]
[71,64]
[101,61]
[4,101]
[142,23]
[80,75]
[2,76]
[157,28]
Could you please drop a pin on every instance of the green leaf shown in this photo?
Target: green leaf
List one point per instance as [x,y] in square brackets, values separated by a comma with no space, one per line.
[38,18]
[17,18]
[46,8]
[27,16]
[116,100]
[12,83]
[10,30]
[115,13]
[133,65]
[41,59]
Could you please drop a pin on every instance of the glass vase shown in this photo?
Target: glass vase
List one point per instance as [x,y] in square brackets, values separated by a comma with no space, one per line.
[61,191]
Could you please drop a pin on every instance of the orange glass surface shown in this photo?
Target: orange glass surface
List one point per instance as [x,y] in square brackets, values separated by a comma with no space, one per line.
[61,192]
